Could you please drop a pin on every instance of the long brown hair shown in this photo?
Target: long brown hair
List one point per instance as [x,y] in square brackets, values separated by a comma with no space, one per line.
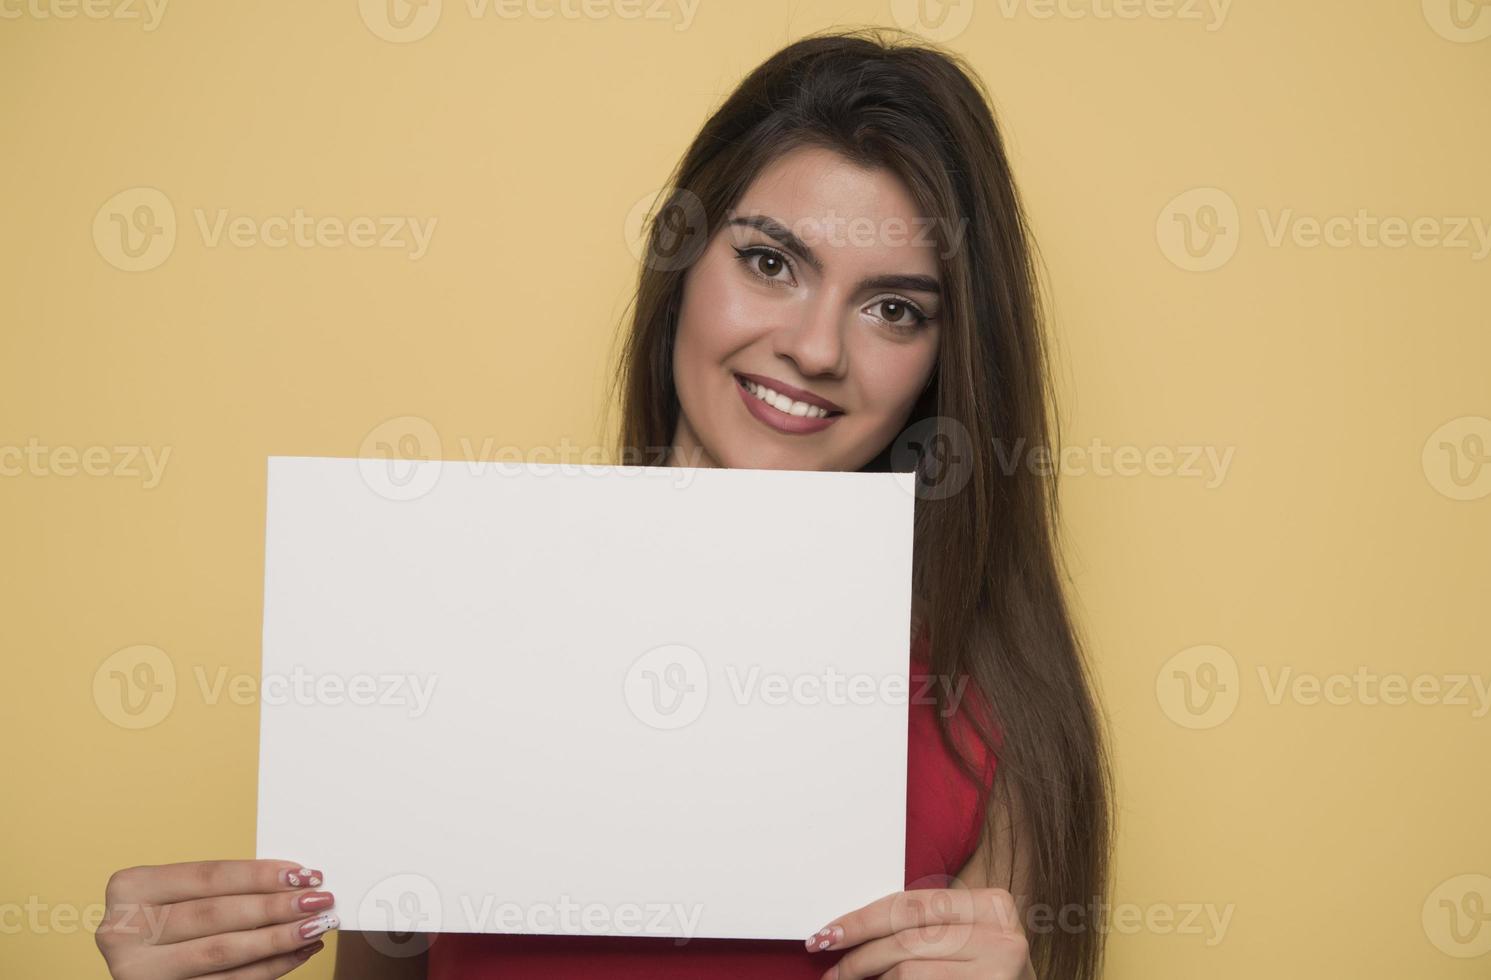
[987,566]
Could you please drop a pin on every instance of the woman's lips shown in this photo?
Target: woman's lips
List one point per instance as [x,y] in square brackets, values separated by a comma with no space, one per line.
[795,425]
[792,392]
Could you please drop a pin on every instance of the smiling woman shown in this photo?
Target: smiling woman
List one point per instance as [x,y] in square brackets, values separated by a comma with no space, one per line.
[839,273]
[779,290]
[842,262]
[794,313]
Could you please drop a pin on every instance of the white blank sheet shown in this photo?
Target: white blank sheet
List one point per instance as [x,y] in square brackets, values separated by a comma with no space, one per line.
[503,697]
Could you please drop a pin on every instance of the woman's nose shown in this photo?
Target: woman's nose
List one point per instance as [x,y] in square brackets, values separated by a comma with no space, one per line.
[815,342]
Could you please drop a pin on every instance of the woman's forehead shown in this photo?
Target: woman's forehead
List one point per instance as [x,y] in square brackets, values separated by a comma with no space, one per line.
[814,182]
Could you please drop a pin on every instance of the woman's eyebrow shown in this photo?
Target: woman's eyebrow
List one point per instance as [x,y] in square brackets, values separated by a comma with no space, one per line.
[789,241]
[782,234]
[909,284]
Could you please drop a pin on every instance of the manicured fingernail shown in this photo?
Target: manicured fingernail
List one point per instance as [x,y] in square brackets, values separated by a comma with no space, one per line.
[832,974]
[301,878]
[305,952]
[314,901]
[318,925]
[824,938]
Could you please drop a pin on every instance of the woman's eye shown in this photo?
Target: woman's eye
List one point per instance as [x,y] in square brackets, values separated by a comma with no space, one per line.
[766,263]
[900,314]
[769,265]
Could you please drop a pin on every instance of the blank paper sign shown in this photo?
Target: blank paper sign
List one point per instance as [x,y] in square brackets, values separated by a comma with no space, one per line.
[606,700]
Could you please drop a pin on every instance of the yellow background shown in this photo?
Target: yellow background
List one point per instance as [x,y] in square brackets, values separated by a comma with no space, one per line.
[1329,546]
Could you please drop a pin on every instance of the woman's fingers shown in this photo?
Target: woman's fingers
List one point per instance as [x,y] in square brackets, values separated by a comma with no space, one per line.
[211,918]
[275,966]
[940,942]
[224,953]
[928,932]
[897,912]
[981,949]
[236,913]
[170,883]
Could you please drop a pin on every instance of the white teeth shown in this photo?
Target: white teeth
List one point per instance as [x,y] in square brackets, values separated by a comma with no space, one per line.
[782,403]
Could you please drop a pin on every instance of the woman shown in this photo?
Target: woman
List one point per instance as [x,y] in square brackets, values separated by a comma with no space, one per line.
[843,259]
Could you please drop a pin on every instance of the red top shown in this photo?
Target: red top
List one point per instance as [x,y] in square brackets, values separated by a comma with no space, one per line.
[944,819]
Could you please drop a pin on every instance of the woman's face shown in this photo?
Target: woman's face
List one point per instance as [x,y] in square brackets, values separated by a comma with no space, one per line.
[821,286]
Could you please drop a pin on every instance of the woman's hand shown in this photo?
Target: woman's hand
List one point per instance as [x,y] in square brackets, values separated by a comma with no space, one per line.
[930,933]
[228,920]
